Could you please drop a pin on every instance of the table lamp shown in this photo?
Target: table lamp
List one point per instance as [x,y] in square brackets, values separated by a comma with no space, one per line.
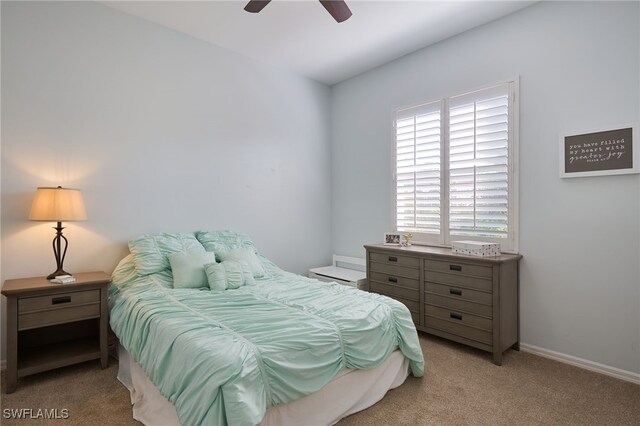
[58,205]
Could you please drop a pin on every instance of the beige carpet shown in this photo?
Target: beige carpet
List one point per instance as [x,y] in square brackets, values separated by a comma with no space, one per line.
[461,387]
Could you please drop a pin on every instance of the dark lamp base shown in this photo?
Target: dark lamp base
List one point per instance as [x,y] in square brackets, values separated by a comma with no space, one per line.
[58,253]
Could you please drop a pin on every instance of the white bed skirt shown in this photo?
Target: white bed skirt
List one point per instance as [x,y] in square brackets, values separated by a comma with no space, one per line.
[347,393]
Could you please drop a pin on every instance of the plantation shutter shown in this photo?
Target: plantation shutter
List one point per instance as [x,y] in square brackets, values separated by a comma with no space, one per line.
[418,165]
[479,163]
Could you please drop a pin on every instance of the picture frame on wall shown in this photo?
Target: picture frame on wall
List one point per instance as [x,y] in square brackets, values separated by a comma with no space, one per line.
[392,239]
[600,152]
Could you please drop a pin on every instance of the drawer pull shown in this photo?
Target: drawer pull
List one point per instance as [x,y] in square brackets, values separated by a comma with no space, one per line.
[455,316]
[455,267]
[393,259]
[59,300]
[455,291]
[393,280]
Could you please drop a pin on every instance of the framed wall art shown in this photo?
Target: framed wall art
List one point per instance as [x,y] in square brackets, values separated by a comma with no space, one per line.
[612,151]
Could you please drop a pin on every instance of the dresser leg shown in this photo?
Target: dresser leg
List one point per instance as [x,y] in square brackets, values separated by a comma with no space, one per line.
[497,357]
[104,320]
[12,382]
[12,344]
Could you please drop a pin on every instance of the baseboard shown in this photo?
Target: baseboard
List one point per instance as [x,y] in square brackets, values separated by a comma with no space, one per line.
[618,373]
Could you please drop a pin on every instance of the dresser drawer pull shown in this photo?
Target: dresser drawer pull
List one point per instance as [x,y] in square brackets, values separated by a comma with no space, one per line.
[393,259]
[393,280]
[59,300]
[455,267]
[455,316]
[455,291]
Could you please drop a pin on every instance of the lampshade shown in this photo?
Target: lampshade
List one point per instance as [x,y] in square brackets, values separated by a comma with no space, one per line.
[57,205]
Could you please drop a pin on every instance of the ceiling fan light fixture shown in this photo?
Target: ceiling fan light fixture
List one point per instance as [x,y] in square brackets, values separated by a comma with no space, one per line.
[255,6]
[336,8]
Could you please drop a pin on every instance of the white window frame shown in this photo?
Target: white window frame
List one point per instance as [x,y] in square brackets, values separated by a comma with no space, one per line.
[443,239]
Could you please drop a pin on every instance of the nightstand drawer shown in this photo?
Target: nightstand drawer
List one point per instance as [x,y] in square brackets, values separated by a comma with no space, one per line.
[394,259]
[56,301]
[58,316]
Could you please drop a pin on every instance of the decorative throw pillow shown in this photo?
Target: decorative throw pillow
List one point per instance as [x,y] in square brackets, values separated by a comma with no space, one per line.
[188,268]
[247,255]
[216,276]
[150,251]
[247,273]
[228,275]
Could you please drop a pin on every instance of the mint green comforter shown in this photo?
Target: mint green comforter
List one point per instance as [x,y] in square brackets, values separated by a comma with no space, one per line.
[225,357]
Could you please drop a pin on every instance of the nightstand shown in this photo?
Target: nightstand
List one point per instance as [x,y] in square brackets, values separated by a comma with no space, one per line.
[54,325]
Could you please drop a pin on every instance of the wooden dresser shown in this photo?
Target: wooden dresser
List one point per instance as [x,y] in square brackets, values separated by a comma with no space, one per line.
[467,299]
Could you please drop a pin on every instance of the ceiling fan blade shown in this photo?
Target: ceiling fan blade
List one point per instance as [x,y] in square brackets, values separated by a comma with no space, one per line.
[337,8]
[255,6]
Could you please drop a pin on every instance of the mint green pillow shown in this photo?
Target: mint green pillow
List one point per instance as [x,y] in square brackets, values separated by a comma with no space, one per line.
[217,241]
[150,251]
[188,268]
[228,275]
[244,255]
[216,276]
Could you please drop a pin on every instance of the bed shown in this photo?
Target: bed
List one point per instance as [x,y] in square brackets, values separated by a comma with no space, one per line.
[282,347]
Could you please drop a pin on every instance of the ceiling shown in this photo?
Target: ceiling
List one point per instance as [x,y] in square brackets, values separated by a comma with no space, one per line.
[301,37]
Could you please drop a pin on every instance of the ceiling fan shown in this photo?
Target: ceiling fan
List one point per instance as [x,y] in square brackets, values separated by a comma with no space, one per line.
[336,8]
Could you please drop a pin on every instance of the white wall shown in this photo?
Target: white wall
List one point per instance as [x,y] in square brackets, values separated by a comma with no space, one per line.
[578,65]
[161,132]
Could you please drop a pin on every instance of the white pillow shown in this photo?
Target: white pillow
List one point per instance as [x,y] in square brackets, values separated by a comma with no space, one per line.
[188,268]
[247,255]
[228,274]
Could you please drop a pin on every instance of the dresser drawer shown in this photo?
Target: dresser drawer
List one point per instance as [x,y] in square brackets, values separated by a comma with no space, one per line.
[458,293]
[459,330]
[55,301]
[396,271]
[459,268]
[395,280]
[459,280]
[414,307]
[458,305]
[58,316]
[458,317]
[394,291]
[394,259]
